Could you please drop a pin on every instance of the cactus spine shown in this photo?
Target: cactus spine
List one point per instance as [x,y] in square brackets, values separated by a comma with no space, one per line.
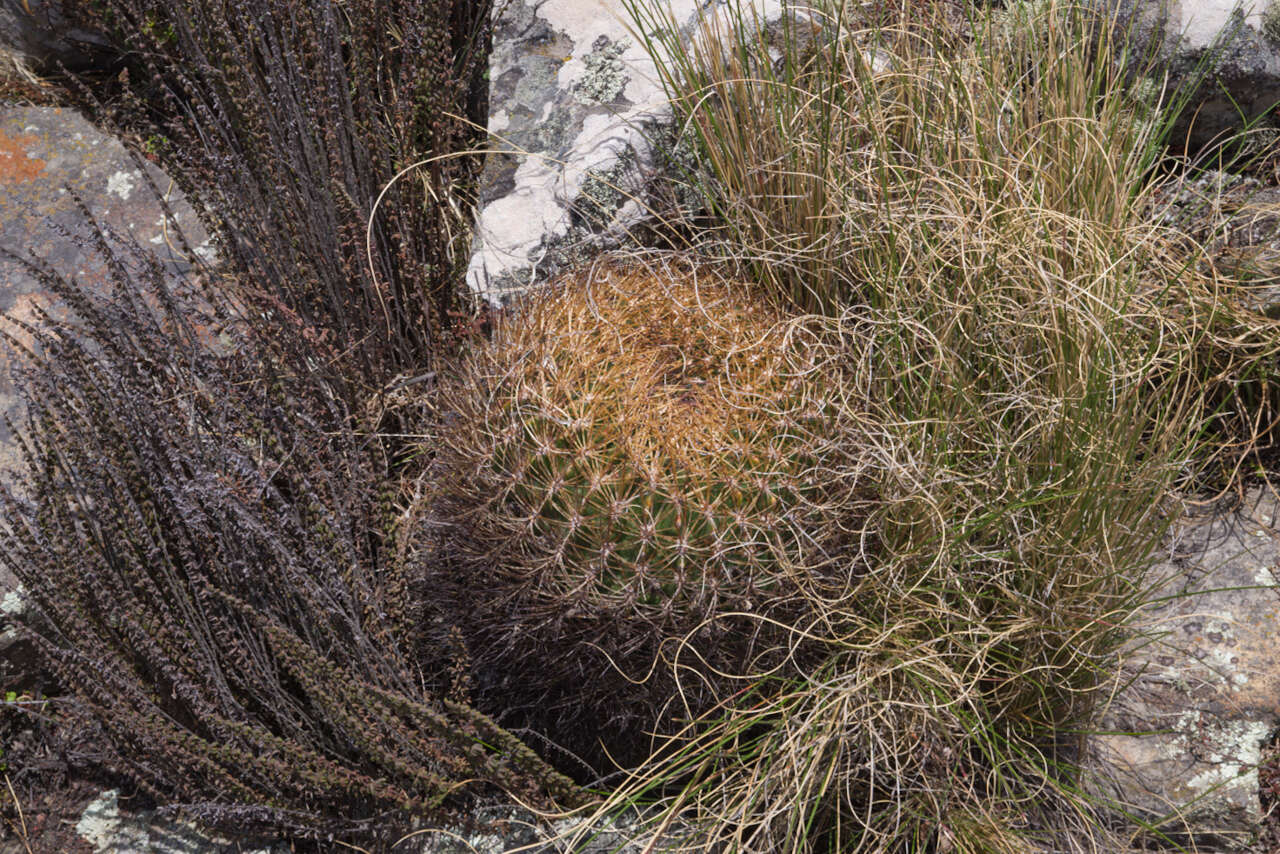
[647,465]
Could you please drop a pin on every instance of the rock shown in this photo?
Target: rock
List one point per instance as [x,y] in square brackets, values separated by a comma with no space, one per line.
[109,829]
[38,33]
[1181,744]
[47,157]
[1236,221]
[1235,42]
[573,103]
[515,829]
[112,830]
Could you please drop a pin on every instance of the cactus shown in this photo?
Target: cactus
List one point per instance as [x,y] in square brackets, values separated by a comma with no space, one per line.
[644,466]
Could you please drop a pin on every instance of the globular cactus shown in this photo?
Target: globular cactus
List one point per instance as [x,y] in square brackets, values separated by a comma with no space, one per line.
[641,484]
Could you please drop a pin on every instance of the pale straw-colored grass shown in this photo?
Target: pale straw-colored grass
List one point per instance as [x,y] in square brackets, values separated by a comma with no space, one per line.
[966,204]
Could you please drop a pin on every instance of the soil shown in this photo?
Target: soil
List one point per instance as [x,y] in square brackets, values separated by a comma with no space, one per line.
[19,90]
[51,768]
[49,813]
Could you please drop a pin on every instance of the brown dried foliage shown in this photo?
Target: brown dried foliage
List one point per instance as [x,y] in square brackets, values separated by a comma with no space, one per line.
[284,120]
[205,525]
[202,534]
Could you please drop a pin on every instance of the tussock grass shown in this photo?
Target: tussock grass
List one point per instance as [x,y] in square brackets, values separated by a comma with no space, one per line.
[965,205]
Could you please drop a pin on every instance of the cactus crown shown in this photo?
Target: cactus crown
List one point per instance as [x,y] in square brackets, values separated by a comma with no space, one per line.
[628,462]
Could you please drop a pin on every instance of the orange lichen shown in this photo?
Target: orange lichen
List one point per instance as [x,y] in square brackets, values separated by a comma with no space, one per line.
[26,309]
[15,164]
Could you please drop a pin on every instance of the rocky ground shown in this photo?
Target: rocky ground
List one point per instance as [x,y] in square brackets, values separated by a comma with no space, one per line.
[1199,722]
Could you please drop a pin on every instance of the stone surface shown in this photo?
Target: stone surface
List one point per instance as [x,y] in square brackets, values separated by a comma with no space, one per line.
[1237,42]
[574,101]
[38,33]
[110,830]
[514,829]
[1184,739]
[49,156]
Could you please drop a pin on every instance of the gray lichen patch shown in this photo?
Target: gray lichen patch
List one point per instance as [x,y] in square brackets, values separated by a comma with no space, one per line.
[550,137]
[1271,21]
[605,191]
[555,255]
[606,74]
[14,603]
[1230,753]
[528,55]
[556,133]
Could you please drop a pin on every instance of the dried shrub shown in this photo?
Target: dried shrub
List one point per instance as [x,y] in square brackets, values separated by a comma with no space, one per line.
[284,120]
[202,533]
[206,528]
[649,464]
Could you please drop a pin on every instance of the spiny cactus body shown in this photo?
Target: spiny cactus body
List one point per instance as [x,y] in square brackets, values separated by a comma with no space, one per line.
[645,467]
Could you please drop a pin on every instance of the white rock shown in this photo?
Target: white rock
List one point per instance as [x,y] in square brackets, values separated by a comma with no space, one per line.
[566,137]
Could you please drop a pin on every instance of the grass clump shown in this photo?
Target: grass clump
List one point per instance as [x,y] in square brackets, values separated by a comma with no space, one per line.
[966,204]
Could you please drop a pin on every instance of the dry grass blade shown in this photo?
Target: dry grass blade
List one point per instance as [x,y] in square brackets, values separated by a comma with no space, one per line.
[22,821]
[966,201]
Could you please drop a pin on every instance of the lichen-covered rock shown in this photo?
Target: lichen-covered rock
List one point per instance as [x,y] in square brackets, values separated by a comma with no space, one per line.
[573,100]
[1183,740]
[513,829]
[110,830]
[18,658]
[107,827]
[1236,43]
[48,158]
